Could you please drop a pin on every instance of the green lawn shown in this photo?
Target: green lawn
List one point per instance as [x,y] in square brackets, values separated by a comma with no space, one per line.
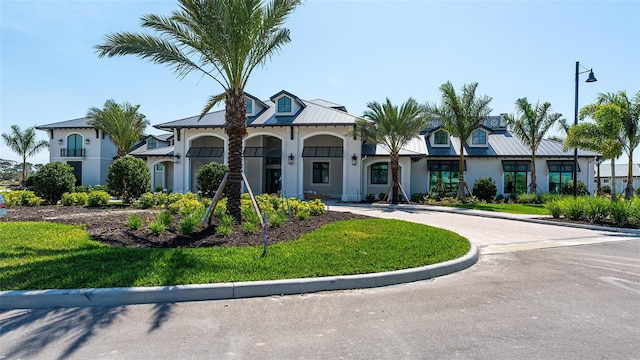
[533,209]
[49,255]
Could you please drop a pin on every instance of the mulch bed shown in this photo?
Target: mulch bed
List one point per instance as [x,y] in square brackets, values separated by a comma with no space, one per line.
[108,225]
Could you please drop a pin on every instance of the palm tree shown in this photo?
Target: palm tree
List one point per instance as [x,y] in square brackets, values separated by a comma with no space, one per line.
[531,124]
[393,128]
[563,125]
[24,144]
[630,117]
[461,115]
[122,122]
[222,39]
[603,136]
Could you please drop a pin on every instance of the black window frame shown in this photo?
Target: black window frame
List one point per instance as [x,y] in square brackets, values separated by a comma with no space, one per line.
[445,137]
[284,104]
[320,172]
[380,173]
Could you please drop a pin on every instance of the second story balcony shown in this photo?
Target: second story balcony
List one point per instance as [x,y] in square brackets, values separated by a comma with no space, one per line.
[72,153]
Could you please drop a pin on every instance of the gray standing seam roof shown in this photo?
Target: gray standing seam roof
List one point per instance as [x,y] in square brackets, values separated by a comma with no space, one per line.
[68,124]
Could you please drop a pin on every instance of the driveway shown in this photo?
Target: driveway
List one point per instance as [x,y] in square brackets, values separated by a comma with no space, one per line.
[549,302]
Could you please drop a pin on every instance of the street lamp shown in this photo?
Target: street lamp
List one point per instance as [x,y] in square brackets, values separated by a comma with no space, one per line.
[591,79]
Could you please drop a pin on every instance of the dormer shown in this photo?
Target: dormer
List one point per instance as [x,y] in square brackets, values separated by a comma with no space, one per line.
[479,138]
[439,138]
[286,103]
[254,105]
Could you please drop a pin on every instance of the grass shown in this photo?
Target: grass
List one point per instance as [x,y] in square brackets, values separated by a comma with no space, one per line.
[532,209]
[37,256]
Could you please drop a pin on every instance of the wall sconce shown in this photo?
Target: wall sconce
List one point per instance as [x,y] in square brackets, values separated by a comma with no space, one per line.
[87,141]
[354,159]
[176,158]
[290,159]
[59,141]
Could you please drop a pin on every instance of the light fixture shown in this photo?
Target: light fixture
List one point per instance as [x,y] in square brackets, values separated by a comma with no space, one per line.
[591,79]
[86,141]
[176,158]
[59,141]
[354,159]
[290,159]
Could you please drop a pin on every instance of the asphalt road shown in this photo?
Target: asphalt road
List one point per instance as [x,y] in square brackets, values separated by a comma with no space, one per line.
[554,302]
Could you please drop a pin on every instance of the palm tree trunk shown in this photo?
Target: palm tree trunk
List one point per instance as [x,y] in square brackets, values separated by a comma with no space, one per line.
[236,128]
[24,171]
[598,180]
[628,194]
[394,179]
[534,184]
[461,184]
[614,196]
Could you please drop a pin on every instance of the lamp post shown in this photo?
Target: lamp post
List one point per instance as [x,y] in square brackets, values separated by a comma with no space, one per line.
[591,79]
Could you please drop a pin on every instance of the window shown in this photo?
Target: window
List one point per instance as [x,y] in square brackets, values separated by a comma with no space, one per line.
[152,144]
[320,172]
[444,181]
[249,106]
[515,176]
[284,105]
[441,137]
[479,137]
[159,167]
[380,173]
[74,145]
[560,174]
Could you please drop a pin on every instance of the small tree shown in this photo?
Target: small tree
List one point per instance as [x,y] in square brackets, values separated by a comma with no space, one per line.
[209,178]
[485,189]
[129,178]
[53,180]
[25,144]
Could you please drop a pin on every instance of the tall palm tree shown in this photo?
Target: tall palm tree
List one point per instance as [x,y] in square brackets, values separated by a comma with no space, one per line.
[602,136]
[392,127]
[222,39]
[24,144]
[122,122]
[461,115]
[630,117]
[530,124]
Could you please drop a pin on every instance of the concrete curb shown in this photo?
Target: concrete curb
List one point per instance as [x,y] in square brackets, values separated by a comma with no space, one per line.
[44,299]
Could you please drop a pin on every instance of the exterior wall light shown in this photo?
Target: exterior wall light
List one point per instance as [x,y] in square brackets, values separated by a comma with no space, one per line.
[290,159]
[176,158]
[354,159]
[87,141]
[59,141]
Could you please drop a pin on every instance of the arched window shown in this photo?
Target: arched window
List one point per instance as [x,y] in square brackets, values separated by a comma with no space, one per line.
[479,137]
[74,145]
[249,106]
[284,105]
[441,137]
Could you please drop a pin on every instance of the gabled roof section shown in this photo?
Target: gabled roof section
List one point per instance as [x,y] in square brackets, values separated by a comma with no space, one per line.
[80,123]
[621,170]
[246,94]
[415,147]
[281,92]
[161,151]
[491,123]
[329,104]
[211,120]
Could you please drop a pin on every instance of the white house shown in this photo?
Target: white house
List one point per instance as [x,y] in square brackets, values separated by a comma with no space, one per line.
[306,148]
[621,176]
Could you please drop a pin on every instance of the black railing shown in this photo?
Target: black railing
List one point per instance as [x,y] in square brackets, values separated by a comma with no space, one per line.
[72,152]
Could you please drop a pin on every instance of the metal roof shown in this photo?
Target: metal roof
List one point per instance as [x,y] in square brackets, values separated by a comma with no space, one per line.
[328,104]
[415,147]
[621,170]
[161,151]
[501,143]
[69,124]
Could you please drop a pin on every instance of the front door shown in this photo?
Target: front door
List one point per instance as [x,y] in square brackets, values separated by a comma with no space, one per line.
[77,171]
[272,181]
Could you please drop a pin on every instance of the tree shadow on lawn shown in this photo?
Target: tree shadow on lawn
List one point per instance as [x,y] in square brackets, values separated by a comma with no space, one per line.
[73,328]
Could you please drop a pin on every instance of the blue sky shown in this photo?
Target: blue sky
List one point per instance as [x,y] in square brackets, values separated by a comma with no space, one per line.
[349,52]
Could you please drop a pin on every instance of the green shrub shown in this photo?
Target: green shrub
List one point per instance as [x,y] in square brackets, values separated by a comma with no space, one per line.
[146,201]
[22,198]
[164,218]
[77,198]
[620,212]
[249,215]
[129,178]
[188,223]
[276,219]
[545,198]
[209,178]
[556,208]
[185,205]
[575,208]
[90,188]
[251,227]
[597,209]
[227,220]
[417,197]
[370,198]
[303,215]
[499,198]
[158,188]
[134,222]
[52,180]
[485,189]
[156,227]
[317,207]
[224,230]
[568,189]
[530,198]
[98,198]
[381,196]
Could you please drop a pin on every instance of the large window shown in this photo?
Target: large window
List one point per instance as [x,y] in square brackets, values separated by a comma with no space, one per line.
[249,106]
[441,137]
[320,172]
[284,105]
[444,176]
[152,144]
[515,176]
[479,137]
[560,174]
[380,173]
[74,145]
